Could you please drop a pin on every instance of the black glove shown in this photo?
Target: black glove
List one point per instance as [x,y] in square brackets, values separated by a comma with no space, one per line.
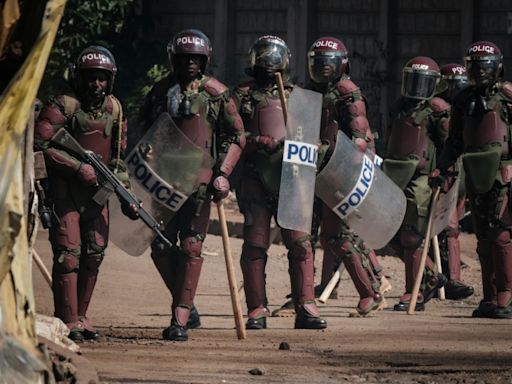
[435,179]
[130,210]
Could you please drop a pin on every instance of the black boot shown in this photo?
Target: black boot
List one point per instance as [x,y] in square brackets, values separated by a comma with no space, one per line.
[502,312]
[258,323]
[194,320]
[89,332]
[432,286]
[405,299]
[77,335]
[403,307]
[175,332]
[456,290]
[485,309]
[305,320]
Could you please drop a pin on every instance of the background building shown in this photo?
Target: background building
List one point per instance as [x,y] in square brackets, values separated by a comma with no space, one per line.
[381,35]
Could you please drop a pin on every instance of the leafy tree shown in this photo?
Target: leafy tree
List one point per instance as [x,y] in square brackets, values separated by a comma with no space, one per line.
[84,23]
[117,25]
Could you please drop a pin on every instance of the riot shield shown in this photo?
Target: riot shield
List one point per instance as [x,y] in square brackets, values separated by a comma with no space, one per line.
[446,204]
[361,194]
[296,191]
[165,168]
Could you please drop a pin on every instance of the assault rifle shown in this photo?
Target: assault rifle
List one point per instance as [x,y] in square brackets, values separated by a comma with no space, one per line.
[108,182]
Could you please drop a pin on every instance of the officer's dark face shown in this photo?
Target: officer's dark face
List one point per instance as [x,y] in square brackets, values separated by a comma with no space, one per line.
[96,83]
[264,75]
[187,67]
[483,73]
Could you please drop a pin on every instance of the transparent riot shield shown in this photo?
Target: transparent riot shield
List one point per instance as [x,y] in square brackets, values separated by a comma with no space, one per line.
[165,168]
[297,188]
[445,205]
[361,194]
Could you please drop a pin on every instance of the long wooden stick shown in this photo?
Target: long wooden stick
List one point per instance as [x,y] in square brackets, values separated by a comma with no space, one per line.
[331,284]
[280,89]
[233,290]
[439,267]
[42,268]
[419,276]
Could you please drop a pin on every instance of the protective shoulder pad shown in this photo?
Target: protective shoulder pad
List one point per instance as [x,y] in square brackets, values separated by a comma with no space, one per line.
[506,89]
[69,104]
[346,87]
[114,107]
[438,105]
[214,87]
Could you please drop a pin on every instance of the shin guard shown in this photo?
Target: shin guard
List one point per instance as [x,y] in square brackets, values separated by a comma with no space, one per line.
[252,262]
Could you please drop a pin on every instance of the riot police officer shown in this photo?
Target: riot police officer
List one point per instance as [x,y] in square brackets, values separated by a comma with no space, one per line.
[261,109]
[480,129]
[203,110]
[453,81]
[79,234]
[344,108]
[418,129]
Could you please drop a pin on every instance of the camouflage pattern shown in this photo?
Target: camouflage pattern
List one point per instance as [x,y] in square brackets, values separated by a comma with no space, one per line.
[209,118]
[263,118]
[344,108]
[417,132]
[480,129]
[79,236]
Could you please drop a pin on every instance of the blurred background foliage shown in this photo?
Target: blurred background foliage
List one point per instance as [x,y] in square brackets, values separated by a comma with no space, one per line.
[119,25]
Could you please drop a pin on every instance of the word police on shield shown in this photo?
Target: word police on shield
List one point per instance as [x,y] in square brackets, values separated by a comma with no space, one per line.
[154,184]
[297,152]
[356,197]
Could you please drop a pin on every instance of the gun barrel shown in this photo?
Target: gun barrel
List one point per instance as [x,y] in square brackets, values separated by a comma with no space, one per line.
[64,139]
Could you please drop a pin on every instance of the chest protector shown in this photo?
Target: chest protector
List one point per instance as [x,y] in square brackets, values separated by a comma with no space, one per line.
[410,148]
[196,126]
[94,132]
[328,124]
[486,144]
[267,118]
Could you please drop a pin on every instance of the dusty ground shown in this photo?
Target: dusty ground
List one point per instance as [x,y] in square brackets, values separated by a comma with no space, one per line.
[131,307]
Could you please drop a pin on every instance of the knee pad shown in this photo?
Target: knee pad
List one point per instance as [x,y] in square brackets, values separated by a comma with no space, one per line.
[341,246]
[301,249]
[93,261]
[93,248]
[410,239]
[252,253]
[66,262]
[502,238]
[191,246]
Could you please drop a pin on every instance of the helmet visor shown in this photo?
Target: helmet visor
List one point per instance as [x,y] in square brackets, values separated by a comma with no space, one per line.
[455,85]
[269,55]
[325,66]
[419,84]
[482,72]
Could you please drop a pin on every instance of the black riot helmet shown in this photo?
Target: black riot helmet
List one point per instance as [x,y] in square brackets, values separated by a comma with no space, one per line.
[269,52]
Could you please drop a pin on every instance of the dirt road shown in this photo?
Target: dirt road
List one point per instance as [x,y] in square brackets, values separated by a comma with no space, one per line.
[131,307]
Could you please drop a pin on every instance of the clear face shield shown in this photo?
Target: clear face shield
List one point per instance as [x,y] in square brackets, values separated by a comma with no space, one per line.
[270,55]
[325,67]
[419,85]
[482,71]
[455,84]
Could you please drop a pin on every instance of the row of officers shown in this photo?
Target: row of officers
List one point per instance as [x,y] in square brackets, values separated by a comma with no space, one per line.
[442,114]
